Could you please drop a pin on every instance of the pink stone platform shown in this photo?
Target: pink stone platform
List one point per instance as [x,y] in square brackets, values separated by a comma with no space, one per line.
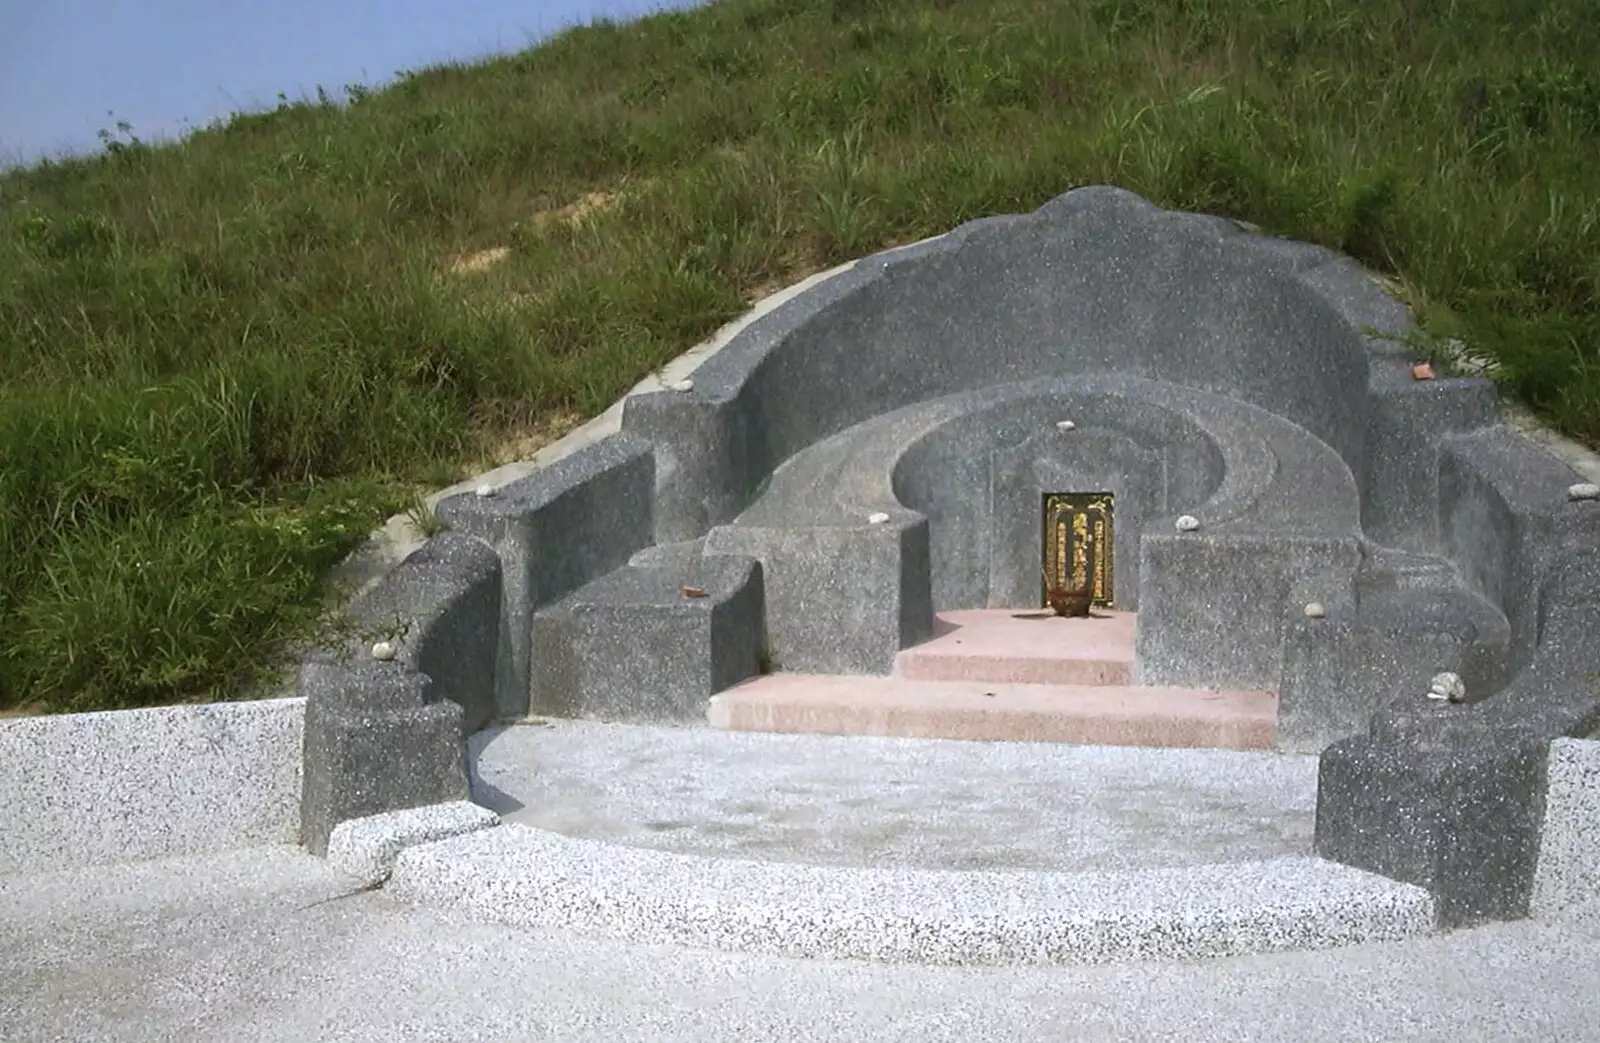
[994,645]
[988,675]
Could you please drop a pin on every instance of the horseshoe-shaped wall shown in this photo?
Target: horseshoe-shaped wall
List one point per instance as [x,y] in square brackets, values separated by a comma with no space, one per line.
[1254,383]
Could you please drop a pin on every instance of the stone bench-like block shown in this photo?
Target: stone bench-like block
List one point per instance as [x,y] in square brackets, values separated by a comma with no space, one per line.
[842,598]
[1338,671]
[1212,607]
[633,646]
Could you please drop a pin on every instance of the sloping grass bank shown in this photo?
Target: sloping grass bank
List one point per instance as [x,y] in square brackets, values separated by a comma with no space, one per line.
[223,361]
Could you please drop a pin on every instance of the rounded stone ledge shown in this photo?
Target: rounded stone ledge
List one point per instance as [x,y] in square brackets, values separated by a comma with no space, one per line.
[389,545]
[1274,475]
[525,877]
[366,847]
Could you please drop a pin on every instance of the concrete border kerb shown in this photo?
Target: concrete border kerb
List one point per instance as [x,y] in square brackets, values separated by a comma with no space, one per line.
[528,877]
[366,848]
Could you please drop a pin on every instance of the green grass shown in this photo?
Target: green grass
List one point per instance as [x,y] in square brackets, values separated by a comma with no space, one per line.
[225,360]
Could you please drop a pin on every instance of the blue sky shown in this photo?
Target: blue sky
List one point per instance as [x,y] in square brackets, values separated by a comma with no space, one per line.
[168,66]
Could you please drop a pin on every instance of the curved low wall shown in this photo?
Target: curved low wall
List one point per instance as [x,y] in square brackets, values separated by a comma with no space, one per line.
[526,877]
[1452,797]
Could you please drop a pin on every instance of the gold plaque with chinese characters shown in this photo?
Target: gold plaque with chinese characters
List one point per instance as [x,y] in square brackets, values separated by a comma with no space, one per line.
[1077,546]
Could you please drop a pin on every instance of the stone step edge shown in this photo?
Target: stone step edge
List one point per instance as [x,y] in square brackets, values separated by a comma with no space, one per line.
[1075,657]
[1012,669]
[970,710]
[366,847]
[531,878]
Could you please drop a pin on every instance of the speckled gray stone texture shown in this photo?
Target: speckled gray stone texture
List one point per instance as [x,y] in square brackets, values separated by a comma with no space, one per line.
[1279,510]
[633,646]
[1451,796]
[1412,618]
[1400,485]
[1096,281]
[383,735]
[440,608]
[912,803]
[843,597]
[531,877]
[1499,494]
[130,784]
[231,947]
[555,530]
[1568,870]
[375,740]
[366,848]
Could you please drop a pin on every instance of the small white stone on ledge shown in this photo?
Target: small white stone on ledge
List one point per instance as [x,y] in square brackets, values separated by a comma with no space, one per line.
[1065,425]
[877,519]
[383,651]
[1583,491]
[1188,523]
[485,490]
[683,385]
[1447,687]
[1314,610]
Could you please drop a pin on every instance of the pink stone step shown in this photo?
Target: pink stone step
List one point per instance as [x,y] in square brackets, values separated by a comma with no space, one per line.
[1076,714]
[995,645]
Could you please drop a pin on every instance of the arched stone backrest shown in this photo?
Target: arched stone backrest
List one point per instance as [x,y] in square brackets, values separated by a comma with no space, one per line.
[1098,281]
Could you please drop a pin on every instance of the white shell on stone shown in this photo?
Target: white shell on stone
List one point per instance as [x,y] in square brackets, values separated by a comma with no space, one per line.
[1188,523]
[1314,610]
[1583,491]
[383,651]
[683,385]
[1447,687]
[877,519]
[486,490]
[1065,425]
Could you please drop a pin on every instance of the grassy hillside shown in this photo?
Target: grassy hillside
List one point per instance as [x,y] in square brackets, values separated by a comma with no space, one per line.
[222,361]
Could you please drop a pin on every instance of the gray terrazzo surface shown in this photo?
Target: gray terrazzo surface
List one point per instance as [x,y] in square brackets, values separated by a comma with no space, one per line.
[529,877]
[259,946]
[896,802]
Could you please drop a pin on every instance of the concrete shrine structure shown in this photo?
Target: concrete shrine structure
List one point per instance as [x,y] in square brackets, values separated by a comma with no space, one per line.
[1288,536]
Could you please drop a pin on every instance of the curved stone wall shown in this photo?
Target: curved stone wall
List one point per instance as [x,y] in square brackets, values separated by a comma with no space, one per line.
[1248,381]
[979,480]
[1098,281]
[960,479]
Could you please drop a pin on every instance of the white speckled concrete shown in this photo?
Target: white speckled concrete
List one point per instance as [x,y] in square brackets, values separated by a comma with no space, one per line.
[911,803]
[534,878]
[129,784]
[1568,870]
[273,947]
[366,848]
